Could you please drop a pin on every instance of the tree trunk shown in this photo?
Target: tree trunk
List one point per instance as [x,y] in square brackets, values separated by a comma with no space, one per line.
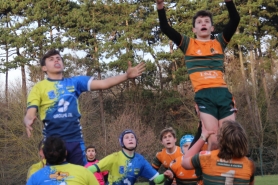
[7,76]
[101,111]
[247,97]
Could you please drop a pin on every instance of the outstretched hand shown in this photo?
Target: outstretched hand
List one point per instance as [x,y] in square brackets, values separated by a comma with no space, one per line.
[133,72]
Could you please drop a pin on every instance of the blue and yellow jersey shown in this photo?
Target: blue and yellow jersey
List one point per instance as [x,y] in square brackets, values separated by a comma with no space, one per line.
[35,167]
[204,61]
[164,158]
[216,171]
[57,104]
[67,174]
[125,170]
[182,176]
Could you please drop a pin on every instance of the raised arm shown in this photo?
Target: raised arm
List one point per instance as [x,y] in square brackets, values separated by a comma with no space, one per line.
[164,26]
[231,27]
[186,162]
[132,72]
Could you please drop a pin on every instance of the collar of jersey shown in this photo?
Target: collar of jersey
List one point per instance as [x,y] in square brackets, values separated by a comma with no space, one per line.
[53,80]
[128,156]
[65,162]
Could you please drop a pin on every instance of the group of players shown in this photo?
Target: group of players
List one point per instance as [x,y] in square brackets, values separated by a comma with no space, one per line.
[223,161]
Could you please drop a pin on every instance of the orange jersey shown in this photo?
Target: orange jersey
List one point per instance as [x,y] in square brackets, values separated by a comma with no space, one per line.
[216,171]
[164,158]
[182,176]
[204,147]
[204,61]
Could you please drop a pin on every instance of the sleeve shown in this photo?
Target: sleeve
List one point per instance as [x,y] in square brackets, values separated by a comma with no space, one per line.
[34,98]
[159,179]
[156,162]
[195,160]
[106,163]
[231,27]
[167,29]
[93,168]
[147,170]
[83,83]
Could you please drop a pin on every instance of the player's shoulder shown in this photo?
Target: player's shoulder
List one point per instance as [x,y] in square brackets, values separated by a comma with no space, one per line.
[115,154]
[248,160]
[140,157]
[163,150]
[41,83]
[80,77]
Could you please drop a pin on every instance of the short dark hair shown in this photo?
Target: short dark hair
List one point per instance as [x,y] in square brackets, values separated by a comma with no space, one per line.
[90,146]
[202,13]
[54,150]
[49,54]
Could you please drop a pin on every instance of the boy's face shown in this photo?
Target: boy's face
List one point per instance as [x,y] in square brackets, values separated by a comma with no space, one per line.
[185,147]
[203,27]
[168,140]
[129,141]
[53,64]
[91,154]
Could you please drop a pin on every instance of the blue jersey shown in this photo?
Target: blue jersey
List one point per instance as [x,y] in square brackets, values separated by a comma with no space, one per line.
[64,174]
[57,103]
[125,170]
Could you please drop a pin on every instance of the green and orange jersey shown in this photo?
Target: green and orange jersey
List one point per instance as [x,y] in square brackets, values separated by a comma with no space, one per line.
[216,171]
[164,158]
[182,176]
[204,61]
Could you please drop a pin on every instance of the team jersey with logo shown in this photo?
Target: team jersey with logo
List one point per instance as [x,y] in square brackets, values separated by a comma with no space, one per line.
[164,158]
[125,170]
[204,61]
[182,176]
[64,174]
[57,104]
[216,171]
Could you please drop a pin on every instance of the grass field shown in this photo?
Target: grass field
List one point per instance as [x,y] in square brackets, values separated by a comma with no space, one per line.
[259,180]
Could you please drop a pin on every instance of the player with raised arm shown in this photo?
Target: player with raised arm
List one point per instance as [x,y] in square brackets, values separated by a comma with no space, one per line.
[56,100]
[204,59]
